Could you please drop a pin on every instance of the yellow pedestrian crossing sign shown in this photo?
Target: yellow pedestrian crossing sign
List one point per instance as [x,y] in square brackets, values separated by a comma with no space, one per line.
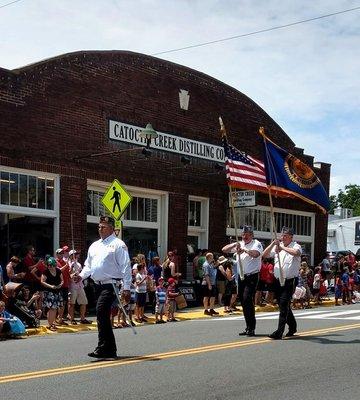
[116,199]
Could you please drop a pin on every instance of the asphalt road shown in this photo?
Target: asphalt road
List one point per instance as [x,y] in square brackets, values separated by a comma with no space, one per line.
[198,359]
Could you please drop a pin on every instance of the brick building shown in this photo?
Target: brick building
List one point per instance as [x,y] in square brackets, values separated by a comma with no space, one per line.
[55,115]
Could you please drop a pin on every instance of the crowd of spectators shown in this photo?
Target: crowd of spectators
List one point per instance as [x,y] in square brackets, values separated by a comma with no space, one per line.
[35,288]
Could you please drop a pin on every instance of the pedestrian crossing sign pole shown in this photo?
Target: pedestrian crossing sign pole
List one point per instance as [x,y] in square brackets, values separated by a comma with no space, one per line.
[116,200]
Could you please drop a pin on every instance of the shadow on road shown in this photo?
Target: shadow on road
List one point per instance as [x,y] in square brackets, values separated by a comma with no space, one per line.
[326,340]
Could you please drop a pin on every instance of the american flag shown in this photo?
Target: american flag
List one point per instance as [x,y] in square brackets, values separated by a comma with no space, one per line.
[243,171]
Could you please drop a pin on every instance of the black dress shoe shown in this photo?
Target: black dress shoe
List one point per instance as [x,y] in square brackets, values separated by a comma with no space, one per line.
[244,333]
[99,354]
[275,336]
[251,332]
[290,333]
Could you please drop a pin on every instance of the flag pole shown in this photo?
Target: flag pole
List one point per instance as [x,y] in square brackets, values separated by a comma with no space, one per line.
[272,215]
[238,259]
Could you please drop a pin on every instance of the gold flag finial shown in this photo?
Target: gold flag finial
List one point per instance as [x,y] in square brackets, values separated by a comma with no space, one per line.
[262,131]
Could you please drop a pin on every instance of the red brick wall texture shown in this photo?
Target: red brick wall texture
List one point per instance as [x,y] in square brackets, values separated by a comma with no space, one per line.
[58,109]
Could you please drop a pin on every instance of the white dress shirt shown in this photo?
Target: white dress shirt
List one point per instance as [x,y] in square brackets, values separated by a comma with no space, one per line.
[250,264]
[108,259]
[289,264]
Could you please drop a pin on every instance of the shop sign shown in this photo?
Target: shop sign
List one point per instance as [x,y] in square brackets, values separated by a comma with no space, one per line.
[243,198]
[116,199]
[122,132]
[188,293]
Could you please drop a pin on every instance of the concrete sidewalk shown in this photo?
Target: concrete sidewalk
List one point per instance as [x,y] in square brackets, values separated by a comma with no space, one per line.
[181,315]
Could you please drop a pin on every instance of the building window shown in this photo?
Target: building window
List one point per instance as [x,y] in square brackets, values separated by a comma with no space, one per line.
[258,219]
[30,191]
[194,214]
[300,223]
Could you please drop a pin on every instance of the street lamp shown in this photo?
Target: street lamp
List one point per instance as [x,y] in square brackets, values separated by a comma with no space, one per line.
[149,133]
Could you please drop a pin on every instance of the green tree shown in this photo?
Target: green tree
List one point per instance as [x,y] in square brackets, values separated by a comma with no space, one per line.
[349,198]
[333,203]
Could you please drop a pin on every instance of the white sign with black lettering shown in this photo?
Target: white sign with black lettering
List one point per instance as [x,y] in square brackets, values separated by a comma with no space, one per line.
[122,132]
[243,198]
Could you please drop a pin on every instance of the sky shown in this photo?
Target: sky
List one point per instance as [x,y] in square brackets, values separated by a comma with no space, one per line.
[306,76]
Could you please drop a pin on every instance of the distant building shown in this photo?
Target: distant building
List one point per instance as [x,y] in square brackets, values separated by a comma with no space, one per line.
[343,231]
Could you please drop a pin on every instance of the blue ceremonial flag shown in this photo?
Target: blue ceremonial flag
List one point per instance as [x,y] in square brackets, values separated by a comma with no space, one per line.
[286,175]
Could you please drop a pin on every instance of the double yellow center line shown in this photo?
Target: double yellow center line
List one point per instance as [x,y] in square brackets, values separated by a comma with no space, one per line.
[159,356]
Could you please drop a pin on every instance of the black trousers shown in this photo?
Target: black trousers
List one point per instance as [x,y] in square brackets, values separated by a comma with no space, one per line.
[106,297]
[283,295]
[247,289]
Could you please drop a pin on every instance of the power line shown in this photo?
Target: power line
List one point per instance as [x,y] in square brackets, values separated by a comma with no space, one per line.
[257,32]
[8,4]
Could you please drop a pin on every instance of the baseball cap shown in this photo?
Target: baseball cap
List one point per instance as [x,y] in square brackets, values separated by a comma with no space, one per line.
[287,231]
[65,248]
[171,280]
[106,219]
[51,261]
[71,252]
[59,251]
[247,229]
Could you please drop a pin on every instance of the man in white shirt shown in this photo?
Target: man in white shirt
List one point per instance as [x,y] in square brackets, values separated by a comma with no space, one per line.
[248,264]
[287,256]
[107,263]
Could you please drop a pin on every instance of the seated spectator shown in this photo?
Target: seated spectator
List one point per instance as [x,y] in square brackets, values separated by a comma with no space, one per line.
[9,324]
[4,317]
[52,281]
[15,272]
[76,289]
[27,303]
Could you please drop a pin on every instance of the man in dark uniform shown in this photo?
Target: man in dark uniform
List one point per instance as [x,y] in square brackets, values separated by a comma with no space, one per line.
[287,256]
[248,264]
[107,262]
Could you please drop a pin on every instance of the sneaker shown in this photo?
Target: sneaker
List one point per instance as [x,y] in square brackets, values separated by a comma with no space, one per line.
[207,312]
[213,312]
[244,333]
[291,333]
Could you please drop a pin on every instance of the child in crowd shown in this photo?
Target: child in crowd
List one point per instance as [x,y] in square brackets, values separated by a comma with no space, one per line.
[338,290]
[171,303]
[160,294]
[316,285]
[141,289]
[345,277]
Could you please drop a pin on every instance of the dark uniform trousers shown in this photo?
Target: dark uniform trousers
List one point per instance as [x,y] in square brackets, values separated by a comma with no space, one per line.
[106,297]
[247,289]
[283,295]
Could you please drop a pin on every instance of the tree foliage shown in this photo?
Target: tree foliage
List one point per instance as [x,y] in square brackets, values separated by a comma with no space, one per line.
[347,198]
